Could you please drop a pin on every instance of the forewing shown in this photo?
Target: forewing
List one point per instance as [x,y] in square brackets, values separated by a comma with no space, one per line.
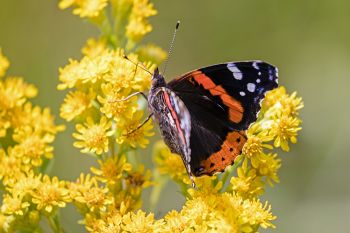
[223,100]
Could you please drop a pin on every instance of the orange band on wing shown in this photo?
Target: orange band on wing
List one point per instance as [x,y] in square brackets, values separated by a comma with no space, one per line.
[235,107]
[230,149]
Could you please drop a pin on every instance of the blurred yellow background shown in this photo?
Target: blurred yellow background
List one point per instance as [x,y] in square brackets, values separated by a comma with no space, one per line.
[307,40]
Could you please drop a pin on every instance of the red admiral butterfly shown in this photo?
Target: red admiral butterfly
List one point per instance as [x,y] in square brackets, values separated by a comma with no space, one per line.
[203,114]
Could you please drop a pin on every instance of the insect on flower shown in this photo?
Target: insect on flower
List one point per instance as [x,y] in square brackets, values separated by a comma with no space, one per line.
[203,114]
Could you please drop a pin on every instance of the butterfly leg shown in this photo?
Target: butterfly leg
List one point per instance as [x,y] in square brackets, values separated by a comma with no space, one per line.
[128,97]
[140,125]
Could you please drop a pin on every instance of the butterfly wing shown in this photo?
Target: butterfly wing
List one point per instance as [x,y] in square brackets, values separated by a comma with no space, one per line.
[223,100]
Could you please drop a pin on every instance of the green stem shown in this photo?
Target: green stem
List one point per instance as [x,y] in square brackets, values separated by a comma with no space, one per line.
[55,224]
[230,171]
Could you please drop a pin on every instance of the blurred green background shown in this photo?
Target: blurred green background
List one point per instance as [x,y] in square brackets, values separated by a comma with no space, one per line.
[309,41]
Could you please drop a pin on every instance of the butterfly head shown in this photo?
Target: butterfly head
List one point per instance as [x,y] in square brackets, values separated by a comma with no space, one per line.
[158,79]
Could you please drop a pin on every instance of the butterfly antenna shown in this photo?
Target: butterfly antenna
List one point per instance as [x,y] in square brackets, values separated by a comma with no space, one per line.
[138,65]
[171,46]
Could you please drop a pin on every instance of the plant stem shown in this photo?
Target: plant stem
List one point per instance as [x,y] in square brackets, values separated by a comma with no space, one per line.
[55,224]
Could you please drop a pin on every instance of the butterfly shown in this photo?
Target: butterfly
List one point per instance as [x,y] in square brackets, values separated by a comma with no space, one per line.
[203,115]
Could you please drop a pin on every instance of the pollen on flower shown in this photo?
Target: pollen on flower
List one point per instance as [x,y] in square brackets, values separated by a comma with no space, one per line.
[267,165]
[286,129]
[93,137]
[112,169]
[75,104]
[247,184]
[32,145]
[86,193]
[52,193]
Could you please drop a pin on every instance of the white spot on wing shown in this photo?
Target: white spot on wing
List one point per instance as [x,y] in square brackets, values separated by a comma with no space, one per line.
[237,74]
[251,87]
[242,93]
[258,80]
[259,73]
[255,65]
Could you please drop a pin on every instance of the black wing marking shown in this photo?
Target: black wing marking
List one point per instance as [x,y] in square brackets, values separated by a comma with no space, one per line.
[246,82]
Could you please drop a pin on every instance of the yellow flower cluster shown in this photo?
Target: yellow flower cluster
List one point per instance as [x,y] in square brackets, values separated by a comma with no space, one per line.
[86,8]
[278,123]
[101,78]
[26,134]
[107,126]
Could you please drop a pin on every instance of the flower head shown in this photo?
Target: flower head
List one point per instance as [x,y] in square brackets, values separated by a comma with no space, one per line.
[112,169]
[14,205]
[112,107]
[14,92]
[140,222]
[286,129]
[32,145]
[94,137]
[75,104]
[84,8]
[88,196]
[52,193]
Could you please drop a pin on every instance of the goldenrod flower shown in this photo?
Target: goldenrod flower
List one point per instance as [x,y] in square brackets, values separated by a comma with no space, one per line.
[138,180]
[110,222]
[4,64]
[112,169]
[132,136]
[247,184]
[42,120]
[286,129]
[125,74]
[14,92]
[32,145]
[25,184]
[52,193]
[14,205]
[278,101]
[137,29]
[138,26]
[94,137]
[140,222]
[11,167]
[267,165]
[75,104]
[112,108]
[256,141]
[88,196]
[70,75]
[151,52]
[255,214]
[94,48]
[175,223]
[84,8]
